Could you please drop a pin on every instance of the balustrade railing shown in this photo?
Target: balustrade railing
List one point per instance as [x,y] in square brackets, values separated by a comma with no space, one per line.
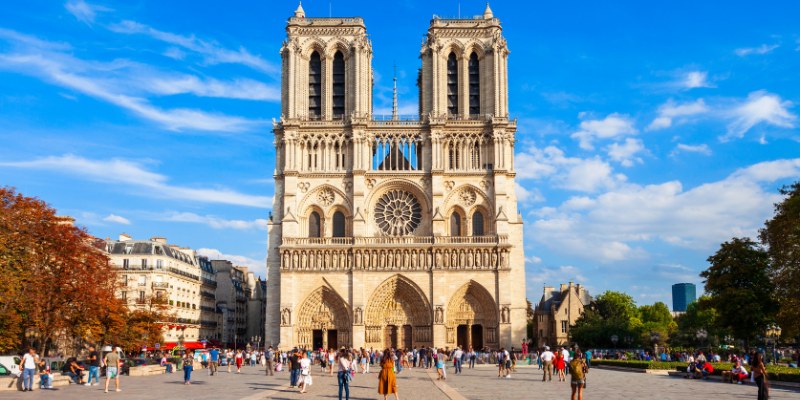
[399,240]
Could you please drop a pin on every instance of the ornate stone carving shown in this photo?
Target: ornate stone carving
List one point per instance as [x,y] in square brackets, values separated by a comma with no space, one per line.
[286,317]
[439,319]
[370,183]
[467,196]
[505,315]
[398,213]
[326,197]
[358,316]
[449,185]
[303,186]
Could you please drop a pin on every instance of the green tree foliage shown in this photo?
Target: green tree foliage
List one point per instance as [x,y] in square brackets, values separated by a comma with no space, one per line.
[700,315]
[656,319]
[611,313]
[781,235]
[739,288]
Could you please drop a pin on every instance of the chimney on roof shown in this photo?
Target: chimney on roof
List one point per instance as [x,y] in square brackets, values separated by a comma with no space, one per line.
[159,239]
[563,287]
[124,236]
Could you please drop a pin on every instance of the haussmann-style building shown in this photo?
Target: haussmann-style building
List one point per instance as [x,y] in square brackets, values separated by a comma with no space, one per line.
[395,232]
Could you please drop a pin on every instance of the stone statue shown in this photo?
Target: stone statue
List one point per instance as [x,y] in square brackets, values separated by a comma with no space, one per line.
[357,315]
[286,317]
[439,315]
[335,260]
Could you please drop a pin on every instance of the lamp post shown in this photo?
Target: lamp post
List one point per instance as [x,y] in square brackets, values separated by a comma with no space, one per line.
[655,337]
[702,334]
[774,333]
[614,339]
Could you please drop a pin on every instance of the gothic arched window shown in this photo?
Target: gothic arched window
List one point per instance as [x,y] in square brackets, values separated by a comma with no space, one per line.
[477,224]
[455,224]
[474,85]
[314,223]
[315,86]
[452,84]
[338,85]
[338,224]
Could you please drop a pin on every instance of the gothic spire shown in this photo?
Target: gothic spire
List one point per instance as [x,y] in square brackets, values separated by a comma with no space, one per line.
[299,12]
[394,96]
[487,13]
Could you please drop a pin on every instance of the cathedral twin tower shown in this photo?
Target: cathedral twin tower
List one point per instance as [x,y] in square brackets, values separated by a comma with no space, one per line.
[395,233]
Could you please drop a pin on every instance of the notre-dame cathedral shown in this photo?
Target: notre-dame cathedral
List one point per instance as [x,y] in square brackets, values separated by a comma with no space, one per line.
[395,232]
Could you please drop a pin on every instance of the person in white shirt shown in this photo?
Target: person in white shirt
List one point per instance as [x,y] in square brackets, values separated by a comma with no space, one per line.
[547,357]
[28,367]
[458,359]
[305,372]
[567,359]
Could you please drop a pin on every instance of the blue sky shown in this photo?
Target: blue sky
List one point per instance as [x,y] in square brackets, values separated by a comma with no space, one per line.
[648,133]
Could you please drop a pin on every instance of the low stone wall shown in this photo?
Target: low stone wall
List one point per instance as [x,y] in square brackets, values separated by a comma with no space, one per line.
[9,383]
[147,370]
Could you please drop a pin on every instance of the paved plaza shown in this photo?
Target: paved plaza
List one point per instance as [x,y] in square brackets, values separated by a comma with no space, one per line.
[416,384]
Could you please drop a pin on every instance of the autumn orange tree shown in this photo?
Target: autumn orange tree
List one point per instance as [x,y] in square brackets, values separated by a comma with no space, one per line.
[57,282]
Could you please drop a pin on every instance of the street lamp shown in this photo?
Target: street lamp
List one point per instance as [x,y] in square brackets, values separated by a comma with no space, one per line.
[702,334]
[774,333]
[614,339]
[655,337]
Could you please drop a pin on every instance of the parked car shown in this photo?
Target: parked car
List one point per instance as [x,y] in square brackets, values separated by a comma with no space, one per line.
[11,362]
[4,371]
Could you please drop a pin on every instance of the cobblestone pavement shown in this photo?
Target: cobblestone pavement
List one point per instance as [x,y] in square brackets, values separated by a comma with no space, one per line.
[415,384]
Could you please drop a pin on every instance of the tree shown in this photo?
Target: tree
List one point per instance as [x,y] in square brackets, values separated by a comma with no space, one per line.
[699,315]
[611,313]
[656,319]
[740,289]
[781,235]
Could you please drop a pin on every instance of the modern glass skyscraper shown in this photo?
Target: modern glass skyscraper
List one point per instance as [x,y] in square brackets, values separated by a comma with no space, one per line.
[683,294]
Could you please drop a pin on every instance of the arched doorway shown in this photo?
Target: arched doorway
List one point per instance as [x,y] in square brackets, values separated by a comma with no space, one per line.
[323,320]
[398,315]
[472,317]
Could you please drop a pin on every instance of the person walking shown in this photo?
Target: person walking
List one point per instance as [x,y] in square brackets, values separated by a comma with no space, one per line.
[294,368]
[578,370]
[239,360]
[343,376]
[387,381]
[560,364]
[28,367]
[268,357]
[457,360]
[188,366]
[229,359]
[760,376]
[305,379]
[214,361]
[111,361]
[547,364]
[94,367]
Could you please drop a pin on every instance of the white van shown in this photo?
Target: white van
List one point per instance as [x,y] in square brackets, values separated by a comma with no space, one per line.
[11,363]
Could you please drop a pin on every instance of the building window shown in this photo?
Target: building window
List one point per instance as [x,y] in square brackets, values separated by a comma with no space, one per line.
[315,86]
[477,224]
[313,149]
[124,296]
[126,263]
[314,225]
[141,296]
[338,224]
[159,264]
[474,85]
[144,263]
[563,326]
[338,85]
[142,280]
[452,84]
[455,224]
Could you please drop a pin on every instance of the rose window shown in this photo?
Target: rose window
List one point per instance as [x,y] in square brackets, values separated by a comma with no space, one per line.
[398,213]
[326,197]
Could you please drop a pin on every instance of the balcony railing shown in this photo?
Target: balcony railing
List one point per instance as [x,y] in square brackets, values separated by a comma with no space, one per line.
[389,240]
[160,285]
[183,273]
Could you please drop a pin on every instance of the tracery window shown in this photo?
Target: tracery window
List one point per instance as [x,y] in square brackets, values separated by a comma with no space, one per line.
[455,224]
[314,224]
[338,85]
[315,86]
[477,224]
[452,84]
[338,224]
[398,213]
[474,85]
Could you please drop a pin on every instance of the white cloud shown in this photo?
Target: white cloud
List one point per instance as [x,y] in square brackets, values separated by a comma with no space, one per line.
[541,275]
[696,79]
[760,50]
[212,52]
[246,89]
[122,173]
[259,267]
[83,11]
[526,196]
[117,219]
[688,148]
[572,173]
[625,152]
[614,225]
[761,107]
[215,222]
[671,111]
[610,127]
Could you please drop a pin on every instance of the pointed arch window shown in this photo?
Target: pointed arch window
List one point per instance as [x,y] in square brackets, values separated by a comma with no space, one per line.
[314,223]
[338,224]
[338,85]
[315,86]
[477,224]
[452,84]
[455,224]
[474,85]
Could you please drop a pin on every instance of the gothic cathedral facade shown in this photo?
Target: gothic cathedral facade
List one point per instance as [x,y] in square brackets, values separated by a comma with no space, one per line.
[395,232]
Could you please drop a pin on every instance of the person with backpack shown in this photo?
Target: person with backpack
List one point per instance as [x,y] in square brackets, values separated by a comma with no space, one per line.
[578,370]
[268,360]
[343,375]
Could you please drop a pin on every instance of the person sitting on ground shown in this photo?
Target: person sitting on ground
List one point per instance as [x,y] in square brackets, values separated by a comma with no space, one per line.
[74,370]
[739,373]
[45,375]
[705,369]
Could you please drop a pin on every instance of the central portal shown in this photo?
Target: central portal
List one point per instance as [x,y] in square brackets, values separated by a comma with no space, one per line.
[390,340]
[398,315]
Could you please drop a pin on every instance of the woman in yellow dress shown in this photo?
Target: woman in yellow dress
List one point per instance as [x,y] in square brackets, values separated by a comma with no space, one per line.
[387,382]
